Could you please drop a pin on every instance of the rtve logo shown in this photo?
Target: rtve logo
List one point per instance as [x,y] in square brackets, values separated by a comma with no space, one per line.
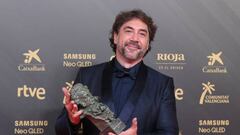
[179,93]
[26,91]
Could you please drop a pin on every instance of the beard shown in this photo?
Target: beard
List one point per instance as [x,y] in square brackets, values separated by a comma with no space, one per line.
[132,50]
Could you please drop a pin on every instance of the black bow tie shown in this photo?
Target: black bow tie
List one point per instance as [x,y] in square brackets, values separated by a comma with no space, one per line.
[122,73]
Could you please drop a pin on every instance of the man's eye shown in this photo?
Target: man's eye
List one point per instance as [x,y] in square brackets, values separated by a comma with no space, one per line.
[143,34]
[128,31]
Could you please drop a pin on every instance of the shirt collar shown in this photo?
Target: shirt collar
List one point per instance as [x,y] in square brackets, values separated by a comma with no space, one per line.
[132,72]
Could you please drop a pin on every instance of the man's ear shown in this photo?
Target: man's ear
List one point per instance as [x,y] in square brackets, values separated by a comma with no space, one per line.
[115,38]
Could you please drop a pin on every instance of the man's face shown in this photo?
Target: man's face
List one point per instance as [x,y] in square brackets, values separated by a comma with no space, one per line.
[132,40]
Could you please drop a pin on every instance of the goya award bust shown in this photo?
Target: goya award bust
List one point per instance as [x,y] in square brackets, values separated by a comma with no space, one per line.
[98,113]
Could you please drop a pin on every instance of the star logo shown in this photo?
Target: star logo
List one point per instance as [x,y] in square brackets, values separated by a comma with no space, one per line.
[215,58]
[32,55]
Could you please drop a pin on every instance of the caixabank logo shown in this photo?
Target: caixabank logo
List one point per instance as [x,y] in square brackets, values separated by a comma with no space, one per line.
[170,61]
[31,61]
[215,64]
[208,95]
[72,60]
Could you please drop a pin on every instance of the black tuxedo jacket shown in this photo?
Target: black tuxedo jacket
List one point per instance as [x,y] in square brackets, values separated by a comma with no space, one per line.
[152,101]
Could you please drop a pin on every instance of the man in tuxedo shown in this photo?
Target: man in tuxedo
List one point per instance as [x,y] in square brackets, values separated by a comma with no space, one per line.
[140,96]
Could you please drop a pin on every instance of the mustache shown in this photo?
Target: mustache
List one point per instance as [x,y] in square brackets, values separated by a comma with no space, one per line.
[134,43]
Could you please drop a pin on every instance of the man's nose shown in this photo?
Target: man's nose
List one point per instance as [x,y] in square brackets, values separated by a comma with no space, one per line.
[135,37]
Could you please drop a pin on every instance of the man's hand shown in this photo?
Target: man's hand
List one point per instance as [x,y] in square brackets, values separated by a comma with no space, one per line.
[131,131]
[72,108]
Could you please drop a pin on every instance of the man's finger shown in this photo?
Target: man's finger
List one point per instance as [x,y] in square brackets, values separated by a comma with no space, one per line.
[78,113]
[69,107]
[66,95]
[75,108]
[110,133]
[134,123]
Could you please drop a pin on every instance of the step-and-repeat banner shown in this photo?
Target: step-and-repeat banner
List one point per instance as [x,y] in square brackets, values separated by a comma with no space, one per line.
[44,42]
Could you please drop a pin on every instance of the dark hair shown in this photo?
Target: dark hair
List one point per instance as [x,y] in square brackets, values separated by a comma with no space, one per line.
[126,16]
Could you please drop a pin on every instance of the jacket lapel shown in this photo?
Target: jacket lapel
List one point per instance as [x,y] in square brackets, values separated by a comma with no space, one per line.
[106,89]
[129,106]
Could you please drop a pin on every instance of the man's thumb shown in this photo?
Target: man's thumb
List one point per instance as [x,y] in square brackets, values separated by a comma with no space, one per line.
[134,123]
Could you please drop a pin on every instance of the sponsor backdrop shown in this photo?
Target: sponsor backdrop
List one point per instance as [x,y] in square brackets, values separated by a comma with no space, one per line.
[44,42]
